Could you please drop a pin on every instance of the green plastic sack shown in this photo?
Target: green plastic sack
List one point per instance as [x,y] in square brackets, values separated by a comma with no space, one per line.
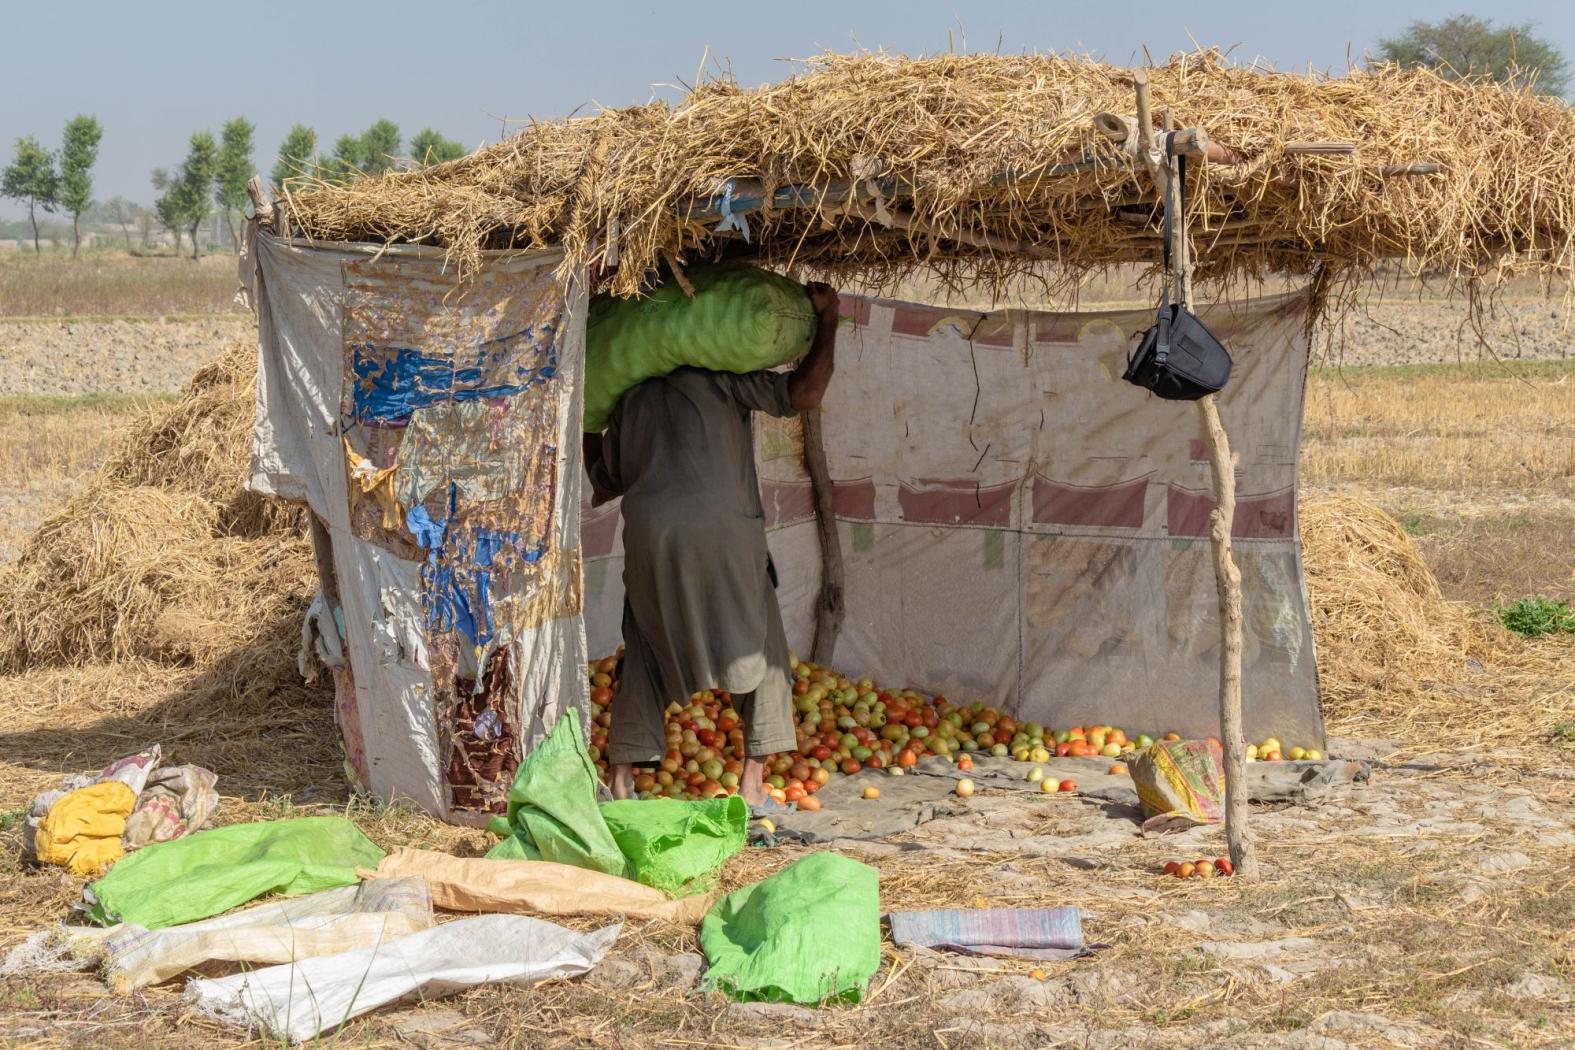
[202,875]
[677,846]
[809,934]
[552,812]
[740,320]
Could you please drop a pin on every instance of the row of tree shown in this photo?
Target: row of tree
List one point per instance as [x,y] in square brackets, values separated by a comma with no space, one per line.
[34,178]
[374,151]
[213,173]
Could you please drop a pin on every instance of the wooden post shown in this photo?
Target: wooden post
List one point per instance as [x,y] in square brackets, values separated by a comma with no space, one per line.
[323,555]
[829,608]
[1227,578]
[262,207]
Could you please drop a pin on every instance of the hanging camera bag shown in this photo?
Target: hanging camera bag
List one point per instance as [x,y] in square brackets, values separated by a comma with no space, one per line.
[1178,359]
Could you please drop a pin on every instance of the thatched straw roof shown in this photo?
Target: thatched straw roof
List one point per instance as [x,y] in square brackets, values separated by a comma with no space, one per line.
[989,167]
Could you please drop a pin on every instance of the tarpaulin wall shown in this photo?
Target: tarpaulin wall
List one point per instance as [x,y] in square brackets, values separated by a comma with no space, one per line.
[432,425]
[1021,526]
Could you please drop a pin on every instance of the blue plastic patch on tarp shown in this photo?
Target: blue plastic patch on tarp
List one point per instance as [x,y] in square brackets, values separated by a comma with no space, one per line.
[457,577]
[392,382]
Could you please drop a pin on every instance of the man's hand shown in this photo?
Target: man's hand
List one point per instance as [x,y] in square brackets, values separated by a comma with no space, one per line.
[807,385]
[824,299]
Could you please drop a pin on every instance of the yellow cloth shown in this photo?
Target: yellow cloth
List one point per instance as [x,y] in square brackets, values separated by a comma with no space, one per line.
[379,484]
[82,831]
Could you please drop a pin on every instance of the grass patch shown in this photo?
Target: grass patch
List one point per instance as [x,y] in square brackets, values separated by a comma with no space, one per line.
[1476,427]
[118,402]
[115,285]
[1535,616]
[1416,523]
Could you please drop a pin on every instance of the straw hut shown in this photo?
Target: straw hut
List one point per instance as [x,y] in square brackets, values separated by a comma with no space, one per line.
[983,507]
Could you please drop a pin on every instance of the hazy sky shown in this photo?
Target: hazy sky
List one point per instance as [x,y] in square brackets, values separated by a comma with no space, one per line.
[155,72]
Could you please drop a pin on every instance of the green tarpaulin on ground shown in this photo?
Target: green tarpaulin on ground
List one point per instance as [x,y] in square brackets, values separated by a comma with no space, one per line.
[808,934]
[677,846]
[553,815]
[202,875]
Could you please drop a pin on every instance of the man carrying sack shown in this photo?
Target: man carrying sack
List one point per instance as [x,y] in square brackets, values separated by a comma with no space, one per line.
[700,607]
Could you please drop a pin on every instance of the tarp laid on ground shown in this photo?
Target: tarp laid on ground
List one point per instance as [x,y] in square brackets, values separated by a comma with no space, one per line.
[280,931]
[299,1000]
[481,884]
[553,815]
[211,872]
[1019,526]
[808,934]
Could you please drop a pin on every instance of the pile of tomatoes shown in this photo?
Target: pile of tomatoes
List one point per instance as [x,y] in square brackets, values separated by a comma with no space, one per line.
[1202,868]
[842,726]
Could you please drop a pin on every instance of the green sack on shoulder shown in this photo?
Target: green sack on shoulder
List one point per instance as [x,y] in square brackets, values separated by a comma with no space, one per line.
[553,812]
[741,319]
[808,934]
[210,872]
[677,846]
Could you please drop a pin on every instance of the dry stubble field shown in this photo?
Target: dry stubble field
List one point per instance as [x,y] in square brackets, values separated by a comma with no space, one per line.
[1433,906]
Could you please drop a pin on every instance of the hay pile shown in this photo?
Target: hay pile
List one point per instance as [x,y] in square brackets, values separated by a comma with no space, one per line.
[1381,623]
[164,604]
[1398,660]
[962,148]
[161,556]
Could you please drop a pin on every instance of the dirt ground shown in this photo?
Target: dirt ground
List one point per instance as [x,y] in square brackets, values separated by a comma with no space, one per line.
[1432,906]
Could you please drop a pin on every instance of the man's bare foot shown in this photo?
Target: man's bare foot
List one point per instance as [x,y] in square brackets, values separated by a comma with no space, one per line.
[623,782]
[752,783]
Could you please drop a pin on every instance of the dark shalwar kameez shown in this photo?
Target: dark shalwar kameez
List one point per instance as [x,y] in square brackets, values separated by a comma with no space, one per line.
[700,610]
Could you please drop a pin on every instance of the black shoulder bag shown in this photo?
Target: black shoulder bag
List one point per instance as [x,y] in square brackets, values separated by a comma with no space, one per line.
[1178,359]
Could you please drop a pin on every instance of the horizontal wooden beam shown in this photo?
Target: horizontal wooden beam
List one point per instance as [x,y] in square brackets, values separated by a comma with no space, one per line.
[1320,148]
[745,196]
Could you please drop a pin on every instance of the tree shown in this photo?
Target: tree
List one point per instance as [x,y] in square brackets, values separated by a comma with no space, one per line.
[1465,46]
[232,171]
[296,155]
[346,161]
[31,177]
[78,154]
[194,186]
[379,147]
[123,213]
[167,204]
[427,148]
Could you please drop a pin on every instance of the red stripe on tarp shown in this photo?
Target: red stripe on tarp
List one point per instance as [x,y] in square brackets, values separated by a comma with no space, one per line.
[956,501]
[919,320]
[598,531]
[1117,506]
[854,308]
[1058,328]
[1271,516]
[994,330]
[787,501]
[854,499]
[1197,450]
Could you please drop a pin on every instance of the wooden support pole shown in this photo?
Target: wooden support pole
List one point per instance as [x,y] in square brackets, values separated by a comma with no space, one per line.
[829,608]
[262,207]
[323,555]
[1227,578]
